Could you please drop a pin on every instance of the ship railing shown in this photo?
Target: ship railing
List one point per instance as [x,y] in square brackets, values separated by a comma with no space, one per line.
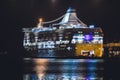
[27,29]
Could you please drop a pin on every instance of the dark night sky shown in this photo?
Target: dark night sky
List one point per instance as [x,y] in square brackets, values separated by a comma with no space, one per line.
[16,14]
[102,13]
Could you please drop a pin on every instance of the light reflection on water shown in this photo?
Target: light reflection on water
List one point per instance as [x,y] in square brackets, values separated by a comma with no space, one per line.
[76,69]
[82,68]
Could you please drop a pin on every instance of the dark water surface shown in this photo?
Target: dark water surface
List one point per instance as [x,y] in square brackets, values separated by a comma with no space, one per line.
[79,69]
[72,69]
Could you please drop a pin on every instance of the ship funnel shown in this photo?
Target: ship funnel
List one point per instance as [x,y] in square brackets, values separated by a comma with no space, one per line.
[70,10]
[70,18]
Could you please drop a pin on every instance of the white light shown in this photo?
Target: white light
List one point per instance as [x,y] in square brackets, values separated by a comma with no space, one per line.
[68,48]
[91,26]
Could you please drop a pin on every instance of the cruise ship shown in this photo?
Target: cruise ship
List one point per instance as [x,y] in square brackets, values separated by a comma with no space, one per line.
[69,37]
